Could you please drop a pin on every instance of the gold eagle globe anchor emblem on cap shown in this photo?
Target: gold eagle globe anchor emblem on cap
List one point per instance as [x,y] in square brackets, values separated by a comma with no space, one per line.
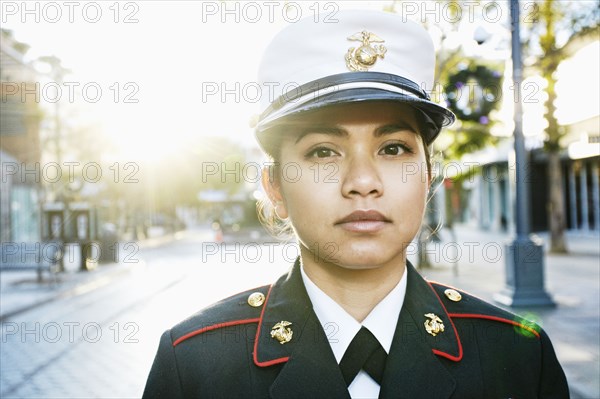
[434,325]
[364,57]
[281,332]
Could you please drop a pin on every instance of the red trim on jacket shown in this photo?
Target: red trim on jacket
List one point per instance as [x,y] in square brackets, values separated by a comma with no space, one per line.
[255,352]
[213,327]
[460,349]
[495,318]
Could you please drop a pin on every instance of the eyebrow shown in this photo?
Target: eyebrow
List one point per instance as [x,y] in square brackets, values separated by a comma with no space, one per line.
[339,132]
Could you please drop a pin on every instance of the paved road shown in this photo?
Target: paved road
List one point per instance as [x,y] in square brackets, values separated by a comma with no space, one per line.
[101,343]
[100,340]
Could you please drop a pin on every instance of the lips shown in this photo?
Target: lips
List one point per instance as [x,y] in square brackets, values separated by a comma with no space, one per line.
[363,221]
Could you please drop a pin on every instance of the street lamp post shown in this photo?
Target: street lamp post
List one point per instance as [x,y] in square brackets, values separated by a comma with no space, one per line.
[525,254]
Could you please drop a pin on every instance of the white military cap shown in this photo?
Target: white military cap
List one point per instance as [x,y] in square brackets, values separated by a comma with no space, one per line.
[359,56]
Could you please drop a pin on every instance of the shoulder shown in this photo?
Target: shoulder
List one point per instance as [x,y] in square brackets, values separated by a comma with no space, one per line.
[218,337]
[460,304]
[512,348]
[238,310]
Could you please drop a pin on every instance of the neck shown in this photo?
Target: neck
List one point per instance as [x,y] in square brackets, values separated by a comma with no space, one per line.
[357,291]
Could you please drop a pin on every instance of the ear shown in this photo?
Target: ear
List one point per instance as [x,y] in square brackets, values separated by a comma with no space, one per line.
[270,182]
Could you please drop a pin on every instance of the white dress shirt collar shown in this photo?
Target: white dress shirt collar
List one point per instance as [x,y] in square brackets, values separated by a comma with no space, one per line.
[340,327]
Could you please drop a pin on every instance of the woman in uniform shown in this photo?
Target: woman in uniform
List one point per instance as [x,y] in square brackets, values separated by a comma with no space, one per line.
[352,119]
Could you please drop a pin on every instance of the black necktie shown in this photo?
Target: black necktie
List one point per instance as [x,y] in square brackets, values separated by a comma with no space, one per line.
[366,353]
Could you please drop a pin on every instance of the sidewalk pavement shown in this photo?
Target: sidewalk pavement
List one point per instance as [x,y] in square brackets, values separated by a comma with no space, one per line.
[470,259]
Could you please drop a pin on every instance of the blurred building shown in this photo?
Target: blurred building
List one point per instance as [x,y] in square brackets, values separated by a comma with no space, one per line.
[488,197]
[580,161]
[20,148]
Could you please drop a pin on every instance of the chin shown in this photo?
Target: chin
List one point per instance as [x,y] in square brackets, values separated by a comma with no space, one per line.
[360,266]
[367,259]
[358,255]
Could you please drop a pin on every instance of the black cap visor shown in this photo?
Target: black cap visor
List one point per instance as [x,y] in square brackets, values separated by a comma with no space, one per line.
[434,116]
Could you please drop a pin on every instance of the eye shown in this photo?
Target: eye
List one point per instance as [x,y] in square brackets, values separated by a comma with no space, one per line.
[321,152]
[394,149]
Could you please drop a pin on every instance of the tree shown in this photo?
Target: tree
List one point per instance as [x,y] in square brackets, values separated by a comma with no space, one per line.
[579,23]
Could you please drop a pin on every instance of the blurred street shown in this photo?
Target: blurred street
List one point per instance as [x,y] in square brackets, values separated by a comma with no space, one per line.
[95,334]
[98,338]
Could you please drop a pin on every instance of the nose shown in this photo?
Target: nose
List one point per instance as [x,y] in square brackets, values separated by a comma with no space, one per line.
[361,178]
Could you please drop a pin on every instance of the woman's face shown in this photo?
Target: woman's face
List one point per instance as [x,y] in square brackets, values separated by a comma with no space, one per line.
[353,182]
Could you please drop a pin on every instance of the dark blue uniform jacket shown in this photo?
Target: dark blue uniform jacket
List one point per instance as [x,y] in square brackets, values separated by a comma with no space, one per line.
[226,350]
